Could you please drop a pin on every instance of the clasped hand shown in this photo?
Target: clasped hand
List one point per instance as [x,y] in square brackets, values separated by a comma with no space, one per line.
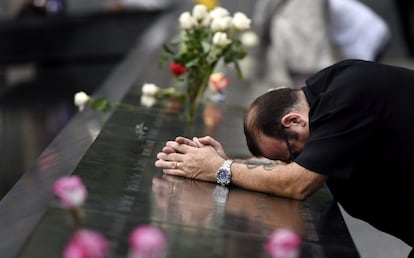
[198,158]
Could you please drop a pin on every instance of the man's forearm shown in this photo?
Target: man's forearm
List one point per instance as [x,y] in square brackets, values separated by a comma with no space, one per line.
[275,177]
[261,175]
[252,163]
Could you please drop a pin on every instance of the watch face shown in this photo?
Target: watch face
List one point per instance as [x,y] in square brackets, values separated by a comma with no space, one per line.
[223,176]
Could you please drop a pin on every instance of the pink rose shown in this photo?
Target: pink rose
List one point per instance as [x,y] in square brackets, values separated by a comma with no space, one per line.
[86,244]
[147,242]
[218,82]
[71,191]
[283,243]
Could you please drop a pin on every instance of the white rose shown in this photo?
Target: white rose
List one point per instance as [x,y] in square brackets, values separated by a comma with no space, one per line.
[150,89]
[186,21]
[219,12]
[148,101]
[81,99]
[249,39]
[200,12]
[221,23]
[206,21]
[220,39]
[241,22]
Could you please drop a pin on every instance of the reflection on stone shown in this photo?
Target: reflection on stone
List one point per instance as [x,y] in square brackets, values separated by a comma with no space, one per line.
[197,203]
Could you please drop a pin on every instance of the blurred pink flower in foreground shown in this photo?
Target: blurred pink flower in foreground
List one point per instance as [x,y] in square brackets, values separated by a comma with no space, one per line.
[283,243]
[86,244]
[147,242]
[71,191]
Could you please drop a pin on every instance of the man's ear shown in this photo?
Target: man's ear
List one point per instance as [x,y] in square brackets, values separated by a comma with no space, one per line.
[292,118]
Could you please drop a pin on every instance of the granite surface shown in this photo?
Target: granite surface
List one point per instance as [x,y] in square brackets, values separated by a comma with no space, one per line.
[199,218]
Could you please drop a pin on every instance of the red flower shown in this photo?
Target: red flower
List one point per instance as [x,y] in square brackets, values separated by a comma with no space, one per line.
[177,69]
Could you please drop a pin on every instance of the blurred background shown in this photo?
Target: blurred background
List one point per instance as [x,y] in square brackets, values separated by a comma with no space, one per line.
[51,49]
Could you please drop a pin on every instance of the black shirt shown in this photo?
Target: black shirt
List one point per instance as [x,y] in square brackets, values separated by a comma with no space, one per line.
[361,123]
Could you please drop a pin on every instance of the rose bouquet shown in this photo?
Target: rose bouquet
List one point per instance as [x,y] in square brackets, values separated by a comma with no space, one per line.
[204,39]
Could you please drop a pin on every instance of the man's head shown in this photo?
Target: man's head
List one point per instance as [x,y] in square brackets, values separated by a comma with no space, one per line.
[276,125]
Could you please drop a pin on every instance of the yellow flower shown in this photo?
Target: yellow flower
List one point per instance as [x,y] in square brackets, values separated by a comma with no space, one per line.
[210,4]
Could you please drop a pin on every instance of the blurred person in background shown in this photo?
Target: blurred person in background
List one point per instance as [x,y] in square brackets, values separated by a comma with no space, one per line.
[300,38]
[122,5]
[356,30]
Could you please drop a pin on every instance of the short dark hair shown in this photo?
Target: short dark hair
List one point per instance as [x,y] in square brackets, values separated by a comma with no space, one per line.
[265,114]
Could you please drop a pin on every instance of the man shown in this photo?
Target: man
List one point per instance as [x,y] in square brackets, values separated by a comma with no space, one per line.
[351,126]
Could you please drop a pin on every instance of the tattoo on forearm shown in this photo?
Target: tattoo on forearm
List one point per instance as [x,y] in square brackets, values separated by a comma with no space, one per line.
[267,165]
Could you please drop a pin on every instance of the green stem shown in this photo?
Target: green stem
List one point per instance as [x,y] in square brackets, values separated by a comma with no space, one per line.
[197,83]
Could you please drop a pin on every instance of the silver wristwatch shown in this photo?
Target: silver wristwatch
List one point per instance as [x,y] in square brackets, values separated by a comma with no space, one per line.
[223,174]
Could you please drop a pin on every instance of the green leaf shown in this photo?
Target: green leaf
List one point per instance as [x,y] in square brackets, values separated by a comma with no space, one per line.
[206,46]
[178,38]
[101,104]
[229,57]
[164,59]
[193,62]
[167,49]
